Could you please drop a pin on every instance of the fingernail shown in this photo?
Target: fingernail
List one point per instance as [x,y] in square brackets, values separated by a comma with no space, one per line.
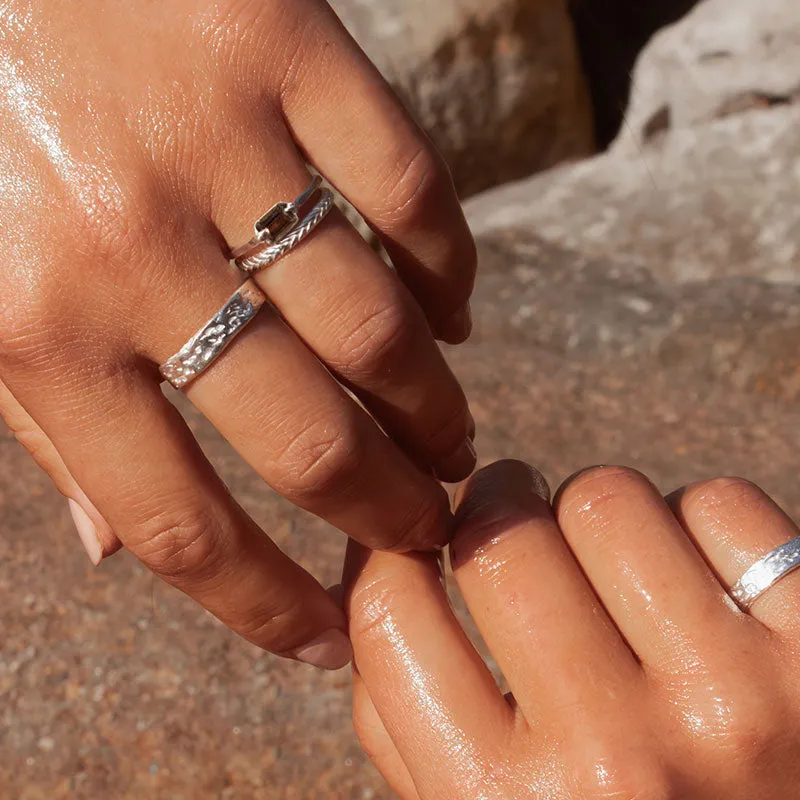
[337,593]
[457,327]
[459,465]
[471,427]
[331,650]
[506,483]
[87,532]
[442,570]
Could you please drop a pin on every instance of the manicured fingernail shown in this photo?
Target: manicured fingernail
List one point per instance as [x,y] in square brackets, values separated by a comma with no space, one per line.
[459,465]
[87,532]
[331,650]
[458,326]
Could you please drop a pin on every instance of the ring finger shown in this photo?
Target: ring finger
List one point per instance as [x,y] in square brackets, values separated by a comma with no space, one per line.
[282,411]
[734,524]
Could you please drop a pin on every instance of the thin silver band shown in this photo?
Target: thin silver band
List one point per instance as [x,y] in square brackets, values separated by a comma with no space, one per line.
[278,222]
[200,352]
[766,572]
[269,255]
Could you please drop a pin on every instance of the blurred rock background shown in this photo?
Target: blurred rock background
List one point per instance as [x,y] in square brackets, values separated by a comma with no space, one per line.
[637,305]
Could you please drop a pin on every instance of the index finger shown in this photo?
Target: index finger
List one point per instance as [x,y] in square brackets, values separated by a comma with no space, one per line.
[429,685]
[138,462]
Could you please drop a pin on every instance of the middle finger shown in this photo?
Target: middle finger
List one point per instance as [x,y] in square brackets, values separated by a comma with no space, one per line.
[654,583]
[534,608]
[352,311]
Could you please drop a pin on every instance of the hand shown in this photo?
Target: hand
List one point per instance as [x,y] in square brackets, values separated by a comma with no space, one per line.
[136,140]
[633,673]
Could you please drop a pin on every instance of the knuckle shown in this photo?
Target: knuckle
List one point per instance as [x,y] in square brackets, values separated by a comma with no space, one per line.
[627,777]
[371,604]
[274,627]
[422,523]
[120,223]
[119,238]
[182,548]
[323,460]
[589,492]
[726,491]
[377,340]
[223,25]
[415,185]
[746,733]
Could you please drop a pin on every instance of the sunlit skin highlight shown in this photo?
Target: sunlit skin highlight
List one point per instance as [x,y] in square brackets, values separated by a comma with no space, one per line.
[621,689]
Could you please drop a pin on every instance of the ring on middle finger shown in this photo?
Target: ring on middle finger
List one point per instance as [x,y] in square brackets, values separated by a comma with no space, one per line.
[281,229]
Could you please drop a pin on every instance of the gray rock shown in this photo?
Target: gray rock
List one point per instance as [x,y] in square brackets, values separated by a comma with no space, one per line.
[645,310]
[497,84]
[715,201]
[643,307]
[725,57]
[610,37]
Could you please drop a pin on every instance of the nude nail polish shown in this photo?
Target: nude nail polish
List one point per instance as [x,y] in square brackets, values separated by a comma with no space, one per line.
[87,532]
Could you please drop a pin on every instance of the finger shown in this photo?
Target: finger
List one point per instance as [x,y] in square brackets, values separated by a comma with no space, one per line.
[355,314]
[283,412]
[372,733]
[649,576]
[377,743]
[734,524]
[430,687]
[95,533]
[535,610]
[395,177]
[277,405]
[139,463]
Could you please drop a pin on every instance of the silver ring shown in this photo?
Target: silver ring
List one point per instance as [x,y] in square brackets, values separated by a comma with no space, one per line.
[200,352]
[277,223]
[766,572]
[266,256]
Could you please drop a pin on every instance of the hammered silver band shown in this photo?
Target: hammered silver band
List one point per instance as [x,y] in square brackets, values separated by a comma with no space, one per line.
[766,572]
[200,352]
[266,256]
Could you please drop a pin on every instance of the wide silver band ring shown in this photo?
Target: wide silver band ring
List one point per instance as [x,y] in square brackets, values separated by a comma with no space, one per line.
[278,222]
[766,572]
[200,352]
[266,256]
